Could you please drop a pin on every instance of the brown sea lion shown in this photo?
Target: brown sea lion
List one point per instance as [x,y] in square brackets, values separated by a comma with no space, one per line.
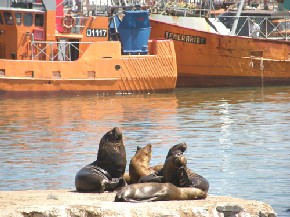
[140,164]
[126,177]
[140,192]
[105,174]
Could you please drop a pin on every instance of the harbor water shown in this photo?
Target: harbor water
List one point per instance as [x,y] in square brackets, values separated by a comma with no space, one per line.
[238,138]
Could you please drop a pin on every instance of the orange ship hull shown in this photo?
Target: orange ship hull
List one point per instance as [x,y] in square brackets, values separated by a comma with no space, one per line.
[108,72]
[46,48]
[207,59]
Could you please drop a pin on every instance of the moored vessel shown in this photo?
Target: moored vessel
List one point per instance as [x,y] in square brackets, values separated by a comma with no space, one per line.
[212,54]
[45,47]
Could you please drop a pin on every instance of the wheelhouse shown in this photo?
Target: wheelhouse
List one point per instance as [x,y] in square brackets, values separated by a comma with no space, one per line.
[18,27]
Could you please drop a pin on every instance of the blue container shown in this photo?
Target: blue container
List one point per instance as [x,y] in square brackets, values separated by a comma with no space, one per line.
[134,32]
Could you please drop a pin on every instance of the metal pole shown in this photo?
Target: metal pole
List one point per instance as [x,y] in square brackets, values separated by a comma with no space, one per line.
[235,24]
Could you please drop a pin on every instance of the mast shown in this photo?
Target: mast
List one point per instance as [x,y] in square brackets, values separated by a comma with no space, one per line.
[50,19]
[239,11]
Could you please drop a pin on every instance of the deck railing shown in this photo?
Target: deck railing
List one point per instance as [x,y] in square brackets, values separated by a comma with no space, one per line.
[56,51]
[260,27]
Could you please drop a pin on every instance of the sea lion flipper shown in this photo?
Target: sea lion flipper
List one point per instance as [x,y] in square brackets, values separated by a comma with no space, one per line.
[151,199]
[136,200]
[183,178]
[147,199]
[115,184]
[151,178]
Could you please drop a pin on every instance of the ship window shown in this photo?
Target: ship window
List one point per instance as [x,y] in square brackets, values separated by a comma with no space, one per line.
[1,20]
[56,74]
[18,18]
[2,72]
[8,18]
[91,74]
[29,74]
[27,19]
[39,20]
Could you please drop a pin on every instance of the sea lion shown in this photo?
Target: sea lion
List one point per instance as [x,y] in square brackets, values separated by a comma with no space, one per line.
[112,153]
[172,167]
[181,147]
[140,192]
[139,164]
[105,174]
[170,171]
[176,172]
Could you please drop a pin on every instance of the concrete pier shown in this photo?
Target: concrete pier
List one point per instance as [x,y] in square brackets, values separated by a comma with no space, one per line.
[66,203]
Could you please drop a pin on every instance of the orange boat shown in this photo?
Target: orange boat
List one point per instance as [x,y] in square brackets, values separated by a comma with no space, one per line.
[44,47]
[211,55]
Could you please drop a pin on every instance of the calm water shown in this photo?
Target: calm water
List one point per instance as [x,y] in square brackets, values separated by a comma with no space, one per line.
[238,139]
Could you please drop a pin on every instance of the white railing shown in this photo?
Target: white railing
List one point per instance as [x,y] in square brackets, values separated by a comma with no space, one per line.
[260,27]
[56,51]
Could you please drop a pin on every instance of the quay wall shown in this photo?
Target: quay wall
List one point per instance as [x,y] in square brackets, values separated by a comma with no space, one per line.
[68,203]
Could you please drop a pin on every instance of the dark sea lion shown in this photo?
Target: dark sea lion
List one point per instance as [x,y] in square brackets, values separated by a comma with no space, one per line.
[176,172]
[140,164]
[112,153]
[170,171]
[193,179]
[179,147]
[172,166]
[105,174]
[140,192]
[92,178]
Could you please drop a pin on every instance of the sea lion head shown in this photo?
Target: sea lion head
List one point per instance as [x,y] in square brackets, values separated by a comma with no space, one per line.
[179,147]
[112,154]
[179,160]
[143,154]
[113,135]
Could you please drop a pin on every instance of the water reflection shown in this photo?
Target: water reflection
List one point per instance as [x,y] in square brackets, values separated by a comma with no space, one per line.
[238,137]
